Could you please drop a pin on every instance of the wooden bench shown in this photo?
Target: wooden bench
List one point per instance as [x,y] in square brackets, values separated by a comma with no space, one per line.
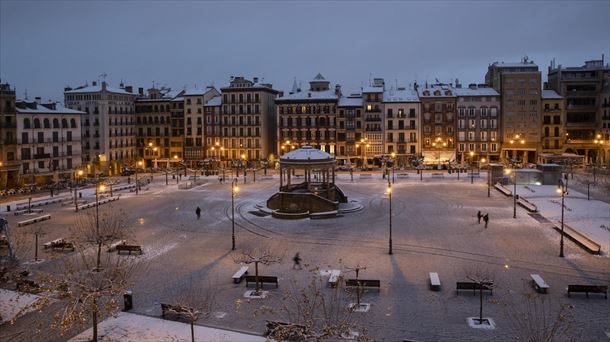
[438,175]
[435,282]
[172,310]
[129,248]
[239,275]
[539,284]
[334,277]
[114,245]
[262,280]
[467,285]
[531,207]
[372,283]
[503,189]
[60,243]
[588,288]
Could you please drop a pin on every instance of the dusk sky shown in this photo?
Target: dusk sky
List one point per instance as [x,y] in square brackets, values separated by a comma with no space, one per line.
[46,45]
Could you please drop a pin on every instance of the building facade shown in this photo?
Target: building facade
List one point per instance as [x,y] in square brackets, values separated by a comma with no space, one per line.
[9,163]
[519,85]
[212,118]
[372,143]
[581,87]
[108,126]
[194,139]
[49,142]
[249,120]
[309,117]
[349,128]
[553,121]
[438,123]
[478,118]
[402,124]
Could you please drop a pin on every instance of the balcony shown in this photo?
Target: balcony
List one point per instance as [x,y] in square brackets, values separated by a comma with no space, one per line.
[372,118]
[42,156]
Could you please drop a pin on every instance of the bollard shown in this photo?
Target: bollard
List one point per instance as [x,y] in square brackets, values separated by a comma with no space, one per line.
[80,194]
[8,208]
[127,301]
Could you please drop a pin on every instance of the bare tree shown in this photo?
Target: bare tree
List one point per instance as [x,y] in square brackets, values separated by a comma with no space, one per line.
[533,319]
[195,302]
[314,312]
[263,255]
[90,287]
[101,227]
[11,269]
[485,279]
[37,230]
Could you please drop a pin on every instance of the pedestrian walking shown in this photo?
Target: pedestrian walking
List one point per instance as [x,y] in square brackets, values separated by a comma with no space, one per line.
[297,261]
[486,219]
[198,212]
[479,215]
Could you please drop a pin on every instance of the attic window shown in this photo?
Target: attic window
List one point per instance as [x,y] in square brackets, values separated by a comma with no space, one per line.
[448,93]
[426,93]
[437,93]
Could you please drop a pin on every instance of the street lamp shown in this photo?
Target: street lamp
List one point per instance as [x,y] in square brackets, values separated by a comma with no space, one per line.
[234,190]
[139,163]
[393,167]
[79,174]
[389,192]
[562,188]
[471,167]
[518,139]
[598,143]
[483,160]
[514,172]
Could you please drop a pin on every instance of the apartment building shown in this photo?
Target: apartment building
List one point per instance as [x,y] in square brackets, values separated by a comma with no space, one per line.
[402,124]
[519,85]
[249,119]
[371,144]
[212,118]
[604,115]
[438,105]
[108,125]
[9,163]
[553,121]
[478,117]
[349,128]
[309,117]
[49,141]
[194,140]
[581,87]
[177,126]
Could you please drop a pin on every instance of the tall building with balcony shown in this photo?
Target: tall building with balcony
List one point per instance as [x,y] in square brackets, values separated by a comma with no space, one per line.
[402,129]
[438,123]
[604,115]
[519,85]
[249,119]
[581,87]
[154,128]
[349,128]
[478,118]
[553,121]
[108,125]
[212,121]
[49,141]
[9,163]
[309,117]
[194,140]
[372,140]
[176,142]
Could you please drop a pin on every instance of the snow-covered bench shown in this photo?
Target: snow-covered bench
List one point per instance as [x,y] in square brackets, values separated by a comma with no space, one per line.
[503,189]
[114,245]
[438,175]
[334,277]
[239,275]
[402,175]
[365,176]
[34,220]
[539,284]
[435,282]
[529,206]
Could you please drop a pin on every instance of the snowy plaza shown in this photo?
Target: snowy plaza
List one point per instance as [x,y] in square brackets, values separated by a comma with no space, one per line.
[435,229]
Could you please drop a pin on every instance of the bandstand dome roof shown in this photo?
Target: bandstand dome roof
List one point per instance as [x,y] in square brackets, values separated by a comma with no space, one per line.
[307,153]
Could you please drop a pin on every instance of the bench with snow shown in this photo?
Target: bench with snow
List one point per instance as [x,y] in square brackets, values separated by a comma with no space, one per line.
[324,214]
[474,175]
[435,281]
[21,206]
[129,248]
[539,284]
[174,310]
[334,277]
[239,275]
[34,220]
[60,243]
[402,175]
[527,205]
[372,283]
[114,245]
[580,239]
[283,331]
[365,176]
[468,285]
[503,189]
[262,280]
[588,288]
[438,175]
[26,211]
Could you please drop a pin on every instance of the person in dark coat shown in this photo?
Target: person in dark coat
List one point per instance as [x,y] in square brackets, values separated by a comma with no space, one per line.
[297,261]
[486,219]
[198,212]
[479,215]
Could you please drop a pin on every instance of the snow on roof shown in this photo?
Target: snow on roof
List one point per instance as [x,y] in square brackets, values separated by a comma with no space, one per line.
[350,102]
[195,91]
[178,99]
[479,91]
[550,94]
[215,101]
[371,89]
[96,89]
[515,65]
[309,96]
[400,95]
[444,90]
[40,109]
[319,77]
[306,153]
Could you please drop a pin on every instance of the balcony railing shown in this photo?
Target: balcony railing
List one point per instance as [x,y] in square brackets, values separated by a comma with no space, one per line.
[42,156]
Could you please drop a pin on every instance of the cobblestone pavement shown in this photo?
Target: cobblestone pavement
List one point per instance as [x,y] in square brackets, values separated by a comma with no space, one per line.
[434,230]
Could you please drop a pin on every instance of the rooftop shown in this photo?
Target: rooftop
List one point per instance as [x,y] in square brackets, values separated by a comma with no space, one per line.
[550,94]
[400,95]
[27,107]
[350,101]
[436,90]
[306,153]
[96,88]
[309,96]
[214,101]
[478,91]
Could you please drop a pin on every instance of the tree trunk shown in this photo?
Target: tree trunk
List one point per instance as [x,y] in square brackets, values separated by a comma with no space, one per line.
[36,249]
[256,276]
[99,256]
[481,302]
[192,331]
[94,316]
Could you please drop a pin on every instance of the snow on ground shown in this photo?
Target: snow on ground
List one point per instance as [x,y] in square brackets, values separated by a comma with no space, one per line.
[132,327]
[581,214]
[14,304]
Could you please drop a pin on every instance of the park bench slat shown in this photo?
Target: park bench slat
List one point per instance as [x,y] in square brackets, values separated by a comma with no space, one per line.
[588,288]
[467,285]
[539,283]
[363,283]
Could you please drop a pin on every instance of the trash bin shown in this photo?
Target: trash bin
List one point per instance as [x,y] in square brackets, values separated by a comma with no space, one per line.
[127,301]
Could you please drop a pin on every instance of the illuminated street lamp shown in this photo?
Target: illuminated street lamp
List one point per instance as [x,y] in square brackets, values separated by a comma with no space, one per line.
[389,192]
[243,158]
[79,174]
[139,163]
[514,172]
[471,167]
[393,167]
[234,190]
[562,189]
[598,143]
[483,160]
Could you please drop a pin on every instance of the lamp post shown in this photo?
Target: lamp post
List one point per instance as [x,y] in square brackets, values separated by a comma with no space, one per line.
[78,175]
[483,160]
[598,143]
[518,138]
[393,167]
[562,189]
[139,163]
[389,192]
[234,190]
[514,172]
[243,158]
[471,167]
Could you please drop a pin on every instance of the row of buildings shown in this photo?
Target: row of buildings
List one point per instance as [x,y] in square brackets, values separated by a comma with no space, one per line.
[511,117]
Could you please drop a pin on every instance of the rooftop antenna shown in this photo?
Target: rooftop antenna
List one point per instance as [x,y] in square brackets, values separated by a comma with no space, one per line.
[396,83]
[25,94]
[102,76]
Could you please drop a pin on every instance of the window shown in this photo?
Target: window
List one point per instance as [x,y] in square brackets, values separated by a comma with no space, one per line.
[461,147]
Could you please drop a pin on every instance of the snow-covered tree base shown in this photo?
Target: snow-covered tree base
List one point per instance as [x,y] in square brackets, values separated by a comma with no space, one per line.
[487,324]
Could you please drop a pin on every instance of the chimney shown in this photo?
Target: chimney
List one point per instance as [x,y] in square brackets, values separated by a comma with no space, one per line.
[338,90]
[141,91]
[545,86]
[67,89]
[104,85]
[308,94]
[94,83]
[255,79]
[38,99]
[472,86]
[129,89]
